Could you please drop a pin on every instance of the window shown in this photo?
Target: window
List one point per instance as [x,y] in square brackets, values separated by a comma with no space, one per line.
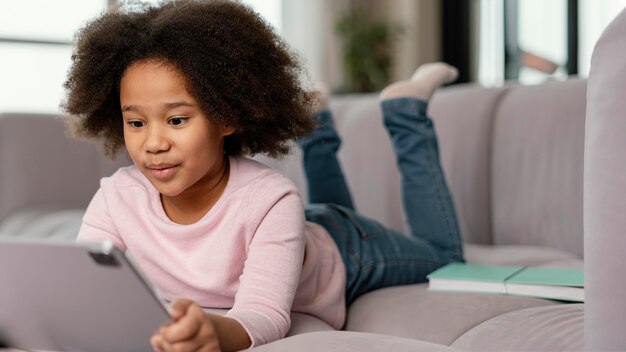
[541,40]
[535,40]
[593,19]
[36,47]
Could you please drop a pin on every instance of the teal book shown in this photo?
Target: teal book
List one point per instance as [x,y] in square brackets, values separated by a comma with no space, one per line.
[553,283]
[550,283]
[472,277]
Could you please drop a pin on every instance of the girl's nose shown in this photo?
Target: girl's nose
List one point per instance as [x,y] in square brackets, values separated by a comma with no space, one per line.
[156,141]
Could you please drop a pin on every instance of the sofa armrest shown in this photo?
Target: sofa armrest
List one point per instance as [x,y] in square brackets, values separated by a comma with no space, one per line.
[605,193]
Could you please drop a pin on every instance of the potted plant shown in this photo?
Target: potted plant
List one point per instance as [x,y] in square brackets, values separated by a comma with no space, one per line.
[367,50]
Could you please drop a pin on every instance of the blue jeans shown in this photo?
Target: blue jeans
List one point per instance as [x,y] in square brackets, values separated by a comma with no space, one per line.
[376,256]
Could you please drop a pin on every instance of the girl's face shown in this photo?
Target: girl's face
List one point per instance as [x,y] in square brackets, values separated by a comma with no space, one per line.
[168,137]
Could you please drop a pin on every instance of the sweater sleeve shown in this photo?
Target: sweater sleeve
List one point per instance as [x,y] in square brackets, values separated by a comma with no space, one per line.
[97,225]
[272,269]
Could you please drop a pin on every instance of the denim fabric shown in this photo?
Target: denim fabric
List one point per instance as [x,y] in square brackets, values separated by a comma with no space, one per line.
[374,255]
[427,202]
[325,180]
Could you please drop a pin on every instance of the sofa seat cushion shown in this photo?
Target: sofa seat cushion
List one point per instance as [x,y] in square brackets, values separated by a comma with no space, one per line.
[553,328]
[345,341]
[413,311]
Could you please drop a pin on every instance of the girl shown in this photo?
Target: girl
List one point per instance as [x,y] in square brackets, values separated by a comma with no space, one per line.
[188,88]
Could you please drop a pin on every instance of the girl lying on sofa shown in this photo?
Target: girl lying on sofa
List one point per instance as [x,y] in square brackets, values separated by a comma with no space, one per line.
[189,88]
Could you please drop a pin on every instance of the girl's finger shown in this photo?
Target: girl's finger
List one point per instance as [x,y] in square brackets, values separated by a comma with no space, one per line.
[179,307]
[184,329]
[159,344]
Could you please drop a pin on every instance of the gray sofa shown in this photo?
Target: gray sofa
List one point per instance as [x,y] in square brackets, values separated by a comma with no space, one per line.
[513,158]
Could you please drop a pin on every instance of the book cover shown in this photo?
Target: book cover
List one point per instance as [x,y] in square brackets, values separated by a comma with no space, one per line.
[550,283]
[553,283]
[472,277]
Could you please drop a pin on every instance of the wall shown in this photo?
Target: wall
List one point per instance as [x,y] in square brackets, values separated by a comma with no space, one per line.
[309,27]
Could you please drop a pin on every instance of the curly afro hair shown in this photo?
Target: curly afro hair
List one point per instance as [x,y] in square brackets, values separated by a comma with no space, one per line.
[241,73]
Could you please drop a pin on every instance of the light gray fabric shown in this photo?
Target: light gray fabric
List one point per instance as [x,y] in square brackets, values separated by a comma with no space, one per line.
[41,166]
[344,341]
[553,328]
[440,317]
[605,192]
[537,166]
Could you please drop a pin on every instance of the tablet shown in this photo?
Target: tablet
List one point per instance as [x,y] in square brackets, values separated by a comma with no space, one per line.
[75,297]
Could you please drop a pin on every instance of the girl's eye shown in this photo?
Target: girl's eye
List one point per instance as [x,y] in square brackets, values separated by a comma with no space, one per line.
[178,121]
[135,124]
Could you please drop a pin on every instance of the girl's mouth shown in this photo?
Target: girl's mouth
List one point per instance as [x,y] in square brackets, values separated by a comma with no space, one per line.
[162,172]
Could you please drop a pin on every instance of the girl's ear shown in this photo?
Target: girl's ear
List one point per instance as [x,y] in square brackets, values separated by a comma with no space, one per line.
[227,130]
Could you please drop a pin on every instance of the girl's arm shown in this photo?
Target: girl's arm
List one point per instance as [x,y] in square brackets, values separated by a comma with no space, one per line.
[273,264]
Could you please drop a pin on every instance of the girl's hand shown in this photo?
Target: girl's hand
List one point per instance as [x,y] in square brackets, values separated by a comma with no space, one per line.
[191,331]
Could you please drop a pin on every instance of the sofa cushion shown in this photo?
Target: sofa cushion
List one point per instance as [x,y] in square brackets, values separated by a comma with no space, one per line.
[344,341]
[537,166]
[440,317]
[553,328]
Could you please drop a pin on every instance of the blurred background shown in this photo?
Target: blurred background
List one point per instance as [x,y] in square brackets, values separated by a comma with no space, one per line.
[350,45]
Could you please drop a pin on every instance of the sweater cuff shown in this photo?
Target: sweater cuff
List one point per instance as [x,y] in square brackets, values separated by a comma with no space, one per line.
[258,326]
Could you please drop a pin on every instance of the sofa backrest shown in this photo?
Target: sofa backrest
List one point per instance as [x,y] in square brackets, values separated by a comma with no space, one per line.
[512,156]
[41,167]
[537,154]
[514,161]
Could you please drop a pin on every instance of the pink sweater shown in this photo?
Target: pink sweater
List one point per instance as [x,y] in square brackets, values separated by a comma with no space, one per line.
[252,253]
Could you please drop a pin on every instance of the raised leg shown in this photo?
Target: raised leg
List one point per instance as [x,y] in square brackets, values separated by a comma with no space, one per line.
[427,202]
[325,179]
[376,256]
